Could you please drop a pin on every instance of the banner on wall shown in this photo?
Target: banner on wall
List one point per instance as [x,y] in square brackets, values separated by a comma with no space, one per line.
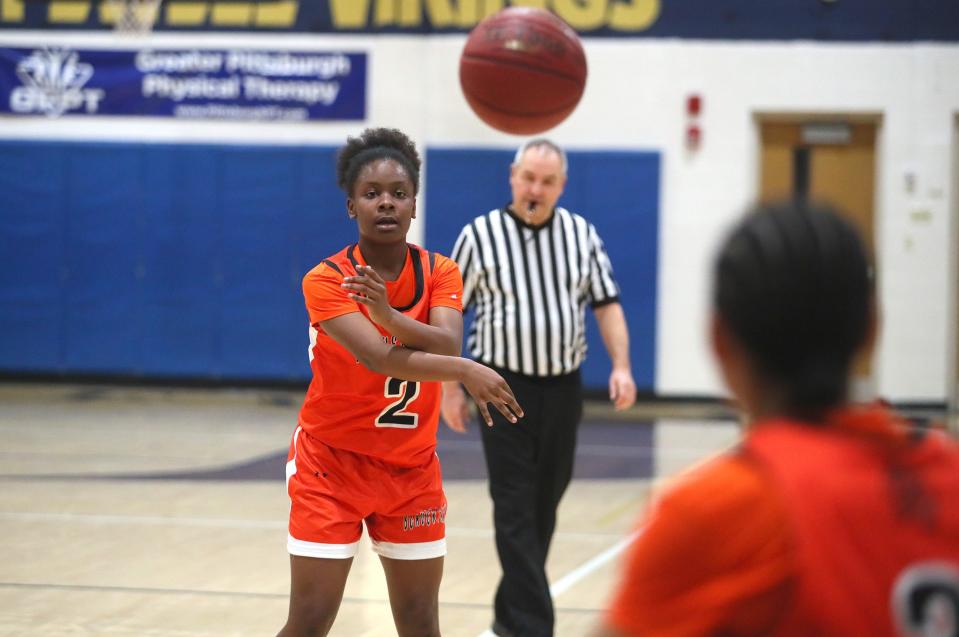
[829,20]
[228,84]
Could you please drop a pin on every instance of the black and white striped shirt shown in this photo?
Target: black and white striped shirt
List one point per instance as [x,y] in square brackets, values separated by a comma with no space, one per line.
[530,286]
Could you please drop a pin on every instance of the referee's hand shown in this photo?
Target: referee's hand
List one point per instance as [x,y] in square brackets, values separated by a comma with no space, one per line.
[454,408]
[622,389]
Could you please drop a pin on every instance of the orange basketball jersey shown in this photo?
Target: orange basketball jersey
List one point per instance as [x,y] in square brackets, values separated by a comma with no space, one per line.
[844,529]
[349,407]
[875,509]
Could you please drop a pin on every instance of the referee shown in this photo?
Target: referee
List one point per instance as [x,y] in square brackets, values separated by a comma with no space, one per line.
[529,271]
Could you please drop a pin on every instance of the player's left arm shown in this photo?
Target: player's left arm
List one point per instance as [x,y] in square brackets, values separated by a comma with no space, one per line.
[612,326]
[444,332]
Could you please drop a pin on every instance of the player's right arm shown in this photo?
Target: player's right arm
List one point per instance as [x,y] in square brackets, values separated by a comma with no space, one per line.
[354,332]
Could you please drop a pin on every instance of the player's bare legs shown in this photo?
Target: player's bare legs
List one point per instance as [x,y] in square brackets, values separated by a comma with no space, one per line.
[316,590]
[414,587]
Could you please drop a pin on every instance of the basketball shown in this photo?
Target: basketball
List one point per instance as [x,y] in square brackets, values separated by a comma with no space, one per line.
[523,70]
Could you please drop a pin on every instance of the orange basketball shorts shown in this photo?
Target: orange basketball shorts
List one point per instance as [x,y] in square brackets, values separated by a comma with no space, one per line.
[333,492]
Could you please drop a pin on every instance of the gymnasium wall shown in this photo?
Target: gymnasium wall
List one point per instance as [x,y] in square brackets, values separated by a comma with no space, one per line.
[634,102]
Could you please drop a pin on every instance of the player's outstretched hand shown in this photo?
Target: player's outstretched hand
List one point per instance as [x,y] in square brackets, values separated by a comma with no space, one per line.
[486,386]
[368,288]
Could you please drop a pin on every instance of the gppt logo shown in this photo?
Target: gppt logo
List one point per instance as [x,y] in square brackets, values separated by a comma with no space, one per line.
[53,83]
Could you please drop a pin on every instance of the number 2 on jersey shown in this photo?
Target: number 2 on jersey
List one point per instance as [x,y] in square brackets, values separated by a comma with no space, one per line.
[394,416]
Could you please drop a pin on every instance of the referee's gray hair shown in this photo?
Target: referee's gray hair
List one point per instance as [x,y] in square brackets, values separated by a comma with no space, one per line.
[541,142]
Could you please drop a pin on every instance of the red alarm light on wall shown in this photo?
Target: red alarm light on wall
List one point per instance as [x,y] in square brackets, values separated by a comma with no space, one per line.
[694,136]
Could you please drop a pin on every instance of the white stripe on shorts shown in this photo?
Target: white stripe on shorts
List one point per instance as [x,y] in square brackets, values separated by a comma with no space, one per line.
[291,463]
[317,549]
[412,550]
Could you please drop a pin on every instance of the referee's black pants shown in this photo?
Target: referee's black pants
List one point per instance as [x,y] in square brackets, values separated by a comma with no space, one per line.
[530,464]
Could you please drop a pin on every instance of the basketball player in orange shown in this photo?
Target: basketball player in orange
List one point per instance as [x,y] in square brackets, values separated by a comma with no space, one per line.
[386,326]
[830,519]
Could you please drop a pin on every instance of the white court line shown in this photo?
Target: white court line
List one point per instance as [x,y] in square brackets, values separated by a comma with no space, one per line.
[558,588]
[458,531]
[583,570]
[573,577]
[228,523]
[618,451]
[144,520]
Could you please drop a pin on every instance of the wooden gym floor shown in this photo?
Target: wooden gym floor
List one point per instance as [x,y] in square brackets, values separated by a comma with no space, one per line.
[160,512]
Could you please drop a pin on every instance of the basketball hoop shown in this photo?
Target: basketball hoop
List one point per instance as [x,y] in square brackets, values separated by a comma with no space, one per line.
[133,17]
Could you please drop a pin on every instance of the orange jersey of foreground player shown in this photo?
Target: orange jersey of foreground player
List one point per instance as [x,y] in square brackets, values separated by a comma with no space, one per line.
[845,529]
[349,407]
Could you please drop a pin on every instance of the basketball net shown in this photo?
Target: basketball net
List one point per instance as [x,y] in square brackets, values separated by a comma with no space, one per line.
[134,17]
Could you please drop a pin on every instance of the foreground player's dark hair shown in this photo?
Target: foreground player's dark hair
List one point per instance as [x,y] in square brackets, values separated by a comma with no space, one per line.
[374,144]
[794,284]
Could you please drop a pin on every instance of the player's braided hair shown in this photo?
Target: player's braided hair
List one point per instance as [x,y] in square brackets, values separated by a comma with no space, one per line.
[794,284]
[374,144]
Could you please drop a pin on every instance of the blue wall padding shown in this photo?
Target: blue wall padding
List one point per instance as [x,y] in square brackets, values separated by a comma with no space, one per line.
[32,243]
[157,260]
[618,191]
[162,260]
[102,295]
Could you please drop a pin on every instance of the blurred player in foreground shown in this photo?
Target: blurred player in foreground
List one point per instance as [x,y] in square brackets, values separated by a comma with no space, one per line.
[830,519]
[385,325]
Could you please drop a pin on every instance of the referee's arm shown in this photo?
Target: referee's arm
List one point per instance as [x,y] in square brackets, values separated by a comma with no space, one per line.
[612,324]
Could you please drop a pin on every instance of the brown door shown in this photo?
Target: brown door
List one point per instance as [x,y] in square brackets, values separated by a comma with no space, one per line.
[953,387]
[954,380]
[832,162]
